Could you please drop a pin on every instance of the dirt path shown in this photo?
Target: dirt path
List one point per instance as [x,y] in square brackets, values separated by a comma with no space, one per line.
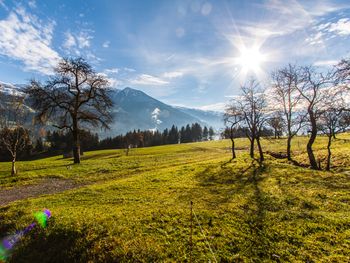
[46,186]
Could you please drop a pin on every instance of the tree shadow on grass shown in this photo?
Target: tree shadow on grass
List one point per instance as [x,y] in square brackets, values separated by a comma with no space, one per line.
[223,183]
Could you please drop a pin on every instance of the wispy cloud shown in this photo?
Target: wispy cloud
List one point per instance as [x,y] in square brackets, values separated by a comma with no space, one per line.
[76,41]
[220,106]
[83,39]
[69,40]
[329,30]
[129,69]
[113,82]
[111,71]
[32,3]
[326,62]
[26,38]
[148,80]
[315,39]
[2,4]
[341,27]
[106,44]
[172,74]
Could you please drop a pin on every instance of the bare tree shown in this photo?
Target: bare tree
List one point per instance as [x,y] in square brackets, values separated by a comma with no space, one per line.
[252,104]
[232,118]
[276,122]
[285,84]
[15,140]
[333,121]
[13,136]
[312,91]
[75,96]
[334,118]
[343,73]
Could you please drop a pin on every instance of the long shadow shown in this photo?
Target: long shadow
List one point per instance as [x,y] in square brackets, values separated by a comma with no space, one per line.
[259,246]
[217,180]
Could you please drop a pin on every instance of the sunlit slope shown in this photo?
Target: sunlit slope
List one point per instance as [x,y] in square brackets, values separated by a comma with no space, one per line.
[136,207]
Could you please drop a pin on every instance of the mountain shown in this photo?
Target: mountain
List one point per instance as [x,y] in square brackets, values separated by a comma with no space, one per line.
[212,118]
[135,109]
[10,89]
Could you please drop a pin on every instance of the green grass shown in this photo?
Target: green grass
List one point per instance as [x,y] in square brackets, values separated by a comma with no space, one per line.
[136,208]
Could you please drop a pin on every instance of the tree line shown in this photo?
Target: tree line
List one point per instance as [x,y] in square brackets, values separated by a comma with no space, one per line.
[300,97]
[147,138]
[60,142]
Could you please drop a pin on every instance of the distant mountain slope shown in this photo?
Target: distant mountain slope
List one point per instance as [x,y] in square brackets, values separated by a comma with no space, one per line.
[135,109]
[10,89]
[212,118]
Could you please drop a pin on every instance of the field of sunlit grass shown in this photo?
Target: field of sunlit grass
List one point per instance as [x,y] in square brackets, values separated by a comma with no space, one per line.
[136,208]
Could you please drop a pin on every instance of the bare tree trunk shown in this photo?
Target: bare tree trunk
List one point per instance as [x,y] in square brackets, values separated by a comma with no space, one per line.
[275,133]
[313,135]
[13,169]
[233,148]
[328,167]
[76,143]
[333,134]
[252,140]
[260,149]
[289,147]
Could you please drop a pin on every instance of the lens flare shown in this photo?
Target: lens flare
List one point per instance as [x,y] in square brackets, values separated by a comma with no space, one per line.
[9,242]
[42,217]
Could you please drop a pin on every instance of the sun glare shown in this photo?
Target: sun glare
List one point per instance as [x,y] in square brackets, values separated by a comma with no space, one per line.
[250,60]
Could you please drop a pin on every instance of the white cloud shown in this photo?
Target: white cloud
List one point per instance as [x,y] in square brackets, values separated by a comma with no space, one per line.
[342,27]
[32,4]
[326,62]
[106,44]
[315,39]
[328,30]
[148,80]
[113,82]
[69,41]
[26,38]
[111,71]
[172,74]
[289,16]
[220,106]
[129,69]
[83,40]
[78,44]
[80,40]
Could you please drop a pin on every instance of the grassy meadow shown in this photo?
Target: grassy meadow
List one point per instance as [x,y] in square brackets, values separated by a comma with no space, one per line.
[136,208]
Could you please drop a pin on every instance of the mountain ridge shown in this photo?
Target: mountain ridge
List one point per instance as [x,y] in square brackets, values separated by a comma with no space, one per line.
[136,110]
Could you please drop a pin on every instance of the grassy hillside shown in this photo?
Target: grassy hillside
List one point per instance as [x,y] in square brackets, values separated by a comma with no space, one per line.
[136,208]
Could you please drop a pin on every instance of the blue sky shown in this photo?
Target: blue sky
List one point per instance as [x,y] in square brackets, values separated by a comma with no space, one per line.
[188,53]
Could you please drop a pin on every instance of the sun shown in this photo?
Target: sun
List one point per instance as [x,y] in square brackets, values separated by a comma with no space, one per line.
[250,59]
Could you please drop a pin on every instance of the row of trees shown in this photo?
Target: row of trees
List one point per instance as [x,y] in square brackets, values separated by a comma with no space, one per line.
[299,98]
[135,139]
[58,141]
